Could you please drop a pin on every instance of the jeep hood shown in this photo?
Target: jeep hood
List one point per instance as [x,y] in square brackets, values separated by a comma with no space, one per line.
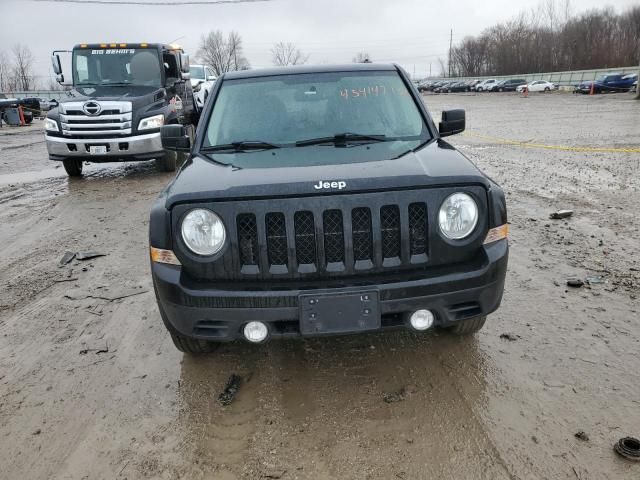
[365,168]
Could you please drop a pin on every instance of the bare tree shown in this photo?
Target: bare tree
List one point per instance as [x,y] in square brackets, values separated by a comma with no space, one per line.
[549,38]
[22,66]
[5,71]
[223,54]
[284,54]
[362,57]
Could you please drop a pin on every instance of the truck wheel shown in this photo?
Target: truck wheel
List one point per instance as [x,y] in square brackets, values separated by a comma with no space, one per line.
[73,167]
[189,345]
[468,327]
[168,161]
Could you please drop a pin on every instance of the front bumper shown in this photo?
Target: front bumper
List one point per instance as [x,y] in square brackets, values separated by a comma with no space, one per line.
[196,310]
[136,147]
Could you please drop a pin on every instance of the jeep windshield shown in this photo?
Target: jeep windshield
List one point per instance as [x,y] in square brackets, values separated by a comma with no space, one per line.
[314,111]
[116,67]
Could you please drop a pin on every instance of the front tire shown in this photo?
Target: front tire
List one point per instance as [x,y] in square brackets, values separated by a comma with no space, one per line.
[73,167]
[168,161]
[193,346]
[468,327]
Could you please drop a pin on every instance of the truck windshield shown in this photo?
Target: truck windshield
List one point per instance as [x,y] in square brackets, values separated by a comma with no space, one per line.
[127,66]
[197,72]
[303,110]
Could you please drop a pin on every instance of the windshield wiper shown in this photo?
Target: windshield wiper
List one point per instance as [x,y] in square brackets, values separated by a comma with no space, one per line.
[241,146]
[343,139]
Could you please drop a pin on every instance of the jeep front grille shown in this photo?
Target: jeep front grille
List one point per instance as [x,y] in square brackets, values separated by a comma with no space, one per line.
[111,119]
[330,234]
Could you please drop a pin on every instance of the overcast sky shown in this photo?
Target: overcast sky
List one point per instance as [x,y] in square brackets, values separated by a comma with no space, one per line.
[413,33]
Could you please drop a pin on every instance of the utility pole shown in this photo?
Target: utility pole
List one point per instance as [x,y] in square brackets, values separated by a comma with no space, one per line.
[429,69]
[450,47]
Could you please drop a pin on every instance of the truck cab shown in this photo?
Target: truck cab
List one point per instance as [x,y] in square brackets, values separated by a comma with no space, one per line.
[121,95]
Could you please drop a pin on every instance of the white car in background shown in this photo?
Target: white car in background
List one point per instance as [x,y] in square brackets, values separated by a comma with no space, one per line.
[537,86]
[202,80]
[485,85]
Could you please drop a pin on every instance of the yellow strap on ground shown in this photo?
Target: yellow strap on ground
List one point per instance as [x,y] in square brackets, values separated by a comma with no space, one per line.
[504,141]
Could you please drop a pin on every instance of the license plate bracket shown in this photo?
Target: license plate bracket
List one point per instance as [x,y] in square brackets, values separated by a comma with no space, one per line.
[339,313]
[97,149]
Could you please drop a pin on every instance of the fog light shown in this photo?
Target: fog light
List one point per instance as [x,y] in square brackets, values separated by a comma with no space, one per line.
[421,319]
[255,332]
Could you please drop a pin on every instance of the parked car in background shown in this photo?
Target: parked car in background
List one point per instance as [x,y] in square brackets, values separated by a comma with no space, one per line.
[424,85]
[509,85]
[458,87]
[472,84]
[432,87]
[612,82]
[443,88]
[485,85]
[202,80]
[537,86]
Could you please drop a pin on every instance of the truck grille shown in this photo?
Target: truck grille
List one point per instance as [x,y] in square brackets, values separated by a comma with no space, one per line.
[94,119]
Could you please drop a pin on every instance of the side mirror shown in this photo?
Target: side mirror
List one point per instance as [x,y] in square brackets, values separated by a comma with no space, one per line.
[453,122]
[55,63]
[174,137]
[184,63]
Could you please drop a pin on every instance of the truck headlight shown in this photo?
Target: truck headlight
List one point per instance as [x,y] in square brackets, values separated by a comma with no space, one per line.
[458,216]
[203,232]
[151,122]
[50,125]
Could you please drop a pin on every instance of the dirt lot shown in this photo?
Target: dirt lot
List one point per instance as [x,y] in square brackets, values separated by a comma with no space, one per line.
[91,386]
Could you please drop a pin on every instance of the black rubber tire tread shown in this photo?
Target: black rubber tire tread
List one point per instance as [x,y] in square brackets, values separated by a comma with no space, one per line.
[168,161]
[193,346]
[73,167]
[468,327]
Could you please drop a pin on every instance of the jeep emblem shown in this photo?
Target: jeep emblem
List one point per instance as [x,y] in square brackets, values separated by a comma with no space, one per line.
[322,185]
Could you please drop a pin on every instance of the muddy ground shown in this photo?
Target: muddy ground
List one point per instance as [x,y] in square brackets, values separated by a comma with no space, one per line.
[92,387]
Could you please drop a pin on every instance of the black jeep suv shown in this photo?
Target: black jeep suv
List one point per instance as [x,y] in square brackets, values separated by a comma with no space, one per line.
[323,200]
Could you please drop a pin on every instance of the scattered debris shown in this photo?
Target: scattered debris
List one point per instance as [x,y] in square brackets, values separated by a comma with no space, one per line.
[97,350]
[509,336]
[89,255]
[582,435]
[629,448]
[37,432]
[231,390]
[108,299]
[575,282]
[561,214]
[67,257]
[595,280]
[394,397]
[274,473]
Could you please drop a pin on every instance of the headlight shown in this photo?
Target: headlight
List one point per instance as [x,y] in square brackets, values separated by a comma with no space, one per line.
[50,125]
[151,122]
[203,232]
[458,216]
